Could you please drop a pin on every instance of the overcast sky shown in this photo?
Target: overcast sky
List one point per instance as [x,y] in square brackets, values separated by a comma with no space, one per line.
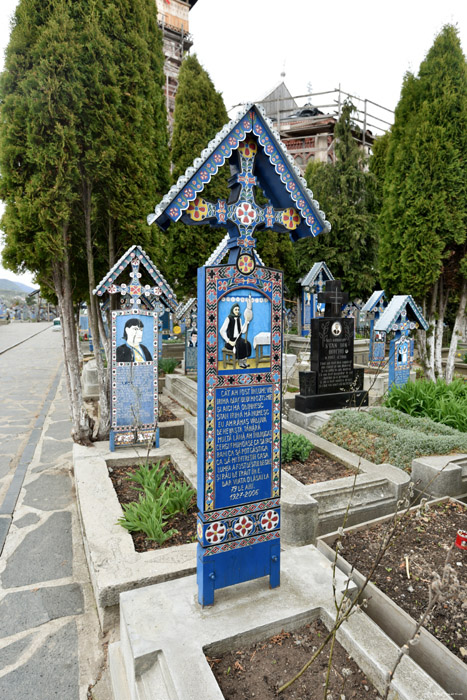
[365,47]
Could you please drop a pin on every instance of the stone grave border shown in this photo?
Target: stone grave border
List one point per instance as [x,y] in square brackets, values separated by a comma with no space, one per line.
[311,510]
[113,563]
[308,511]
[164,632]
[385,483]
[172,428]
[433,657]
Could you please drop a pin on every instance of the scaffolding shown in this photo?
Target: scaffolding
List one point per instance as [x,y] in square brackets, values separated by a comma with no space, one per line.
[176,42]
[306,122]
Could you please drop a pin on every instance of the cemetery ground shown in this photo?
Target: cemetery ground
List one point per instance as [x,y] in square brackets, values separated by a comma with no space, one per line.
[258,670]
[181,388]
[423,543]
[316,467]
[46,592]
[50,641]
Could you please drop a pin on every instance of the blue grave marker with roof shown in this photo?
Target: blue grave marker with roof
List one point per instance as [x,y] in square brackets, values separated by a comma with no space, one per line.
[135,341]
[240,347]
[401,316]
[312,284]
[375,306]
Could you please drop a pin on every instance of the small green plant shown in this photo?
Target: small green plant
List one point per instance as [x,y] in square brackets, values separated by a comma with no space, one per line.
[160,497]
[150,479]
[147,515]
[295,447]
[167,365]
[292,389]
[181,497]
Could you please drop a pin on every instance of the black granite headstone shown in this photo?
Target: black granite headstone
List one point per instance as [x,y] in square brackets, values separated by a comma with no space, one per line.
[332,354]
[332,381]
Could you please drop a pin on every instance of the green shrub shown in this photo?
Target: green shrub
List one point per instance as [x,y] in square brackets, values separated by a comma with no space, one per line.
[159,498]
[443,403]
[167,365]
[387,435]
[295,447]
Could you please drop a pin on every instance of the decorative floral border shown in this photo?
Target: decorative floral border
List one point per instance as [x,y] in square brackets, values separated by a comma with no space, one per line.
[238,544]
[238,528]
[241,510]
[262,279]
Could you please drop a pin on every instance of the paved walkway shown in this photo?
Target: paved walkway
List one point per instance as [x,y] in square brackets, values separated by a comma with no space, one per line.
[50,642]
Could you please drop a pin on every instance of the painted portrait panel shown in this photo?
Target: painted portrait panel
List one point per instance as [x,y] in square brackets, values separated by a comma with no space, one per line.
[244,341]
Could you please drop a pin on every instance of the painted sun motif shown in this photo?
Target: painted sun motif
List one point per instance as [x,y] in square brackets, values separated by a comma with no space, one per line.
[248,149]
[290,219]
[246,264]
[197,209]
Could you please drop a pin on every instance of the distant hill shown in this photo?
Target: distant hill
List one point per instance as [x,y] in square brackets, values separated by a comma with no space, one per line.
[15,287]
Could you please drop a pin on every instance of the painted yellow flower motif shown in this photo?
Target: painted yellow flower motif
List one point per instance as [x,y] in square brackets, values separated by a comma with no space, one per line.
[290,219]
[197,209]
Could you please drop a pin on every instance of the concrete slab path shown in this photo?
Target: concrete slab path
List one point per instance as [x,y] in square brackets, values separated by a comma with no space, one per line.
[50,640]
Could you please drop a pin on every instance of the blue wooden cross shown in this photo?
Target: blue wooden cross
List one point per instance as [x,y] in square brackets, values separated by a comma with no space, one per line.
[135,290]
[243,215]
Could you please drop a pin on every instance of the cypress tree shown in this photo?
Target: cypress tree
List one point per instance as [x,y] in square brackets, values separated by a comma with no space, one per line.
[345,192]
[424,214]
[199,114]
[83,146]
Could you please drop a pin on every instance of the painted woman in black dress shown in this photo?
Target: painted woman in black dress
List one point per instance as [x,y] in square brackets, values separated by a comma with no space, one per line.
[232,330]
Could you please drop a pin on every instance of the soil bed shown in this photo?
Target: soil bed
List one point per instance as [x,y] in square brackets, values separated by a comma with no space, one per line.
[425,539]
[316,468]
[126,493]
[257,671]
[165,414]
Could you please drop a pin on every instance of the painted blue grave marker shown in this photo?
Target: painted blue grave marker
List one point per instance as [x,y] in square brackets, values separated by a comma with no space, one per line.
[240,308]
[239,407]
[312,284]
[135,342]
[134,378]
[191,348]
[376,305]
[401,317]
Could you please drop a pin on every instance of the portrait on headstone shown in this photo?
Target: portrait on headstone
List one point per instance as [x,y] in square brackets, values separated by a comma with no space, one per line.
[193,338]
[244,332]
[402,351]
[135,337]
[134,375]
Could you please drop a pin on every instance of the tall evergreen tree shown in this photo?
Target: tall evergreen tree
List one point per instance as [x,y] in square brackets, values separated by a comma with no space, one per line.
[83,145]
[345,191]
[276,250]
[199,114]
[423,222]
